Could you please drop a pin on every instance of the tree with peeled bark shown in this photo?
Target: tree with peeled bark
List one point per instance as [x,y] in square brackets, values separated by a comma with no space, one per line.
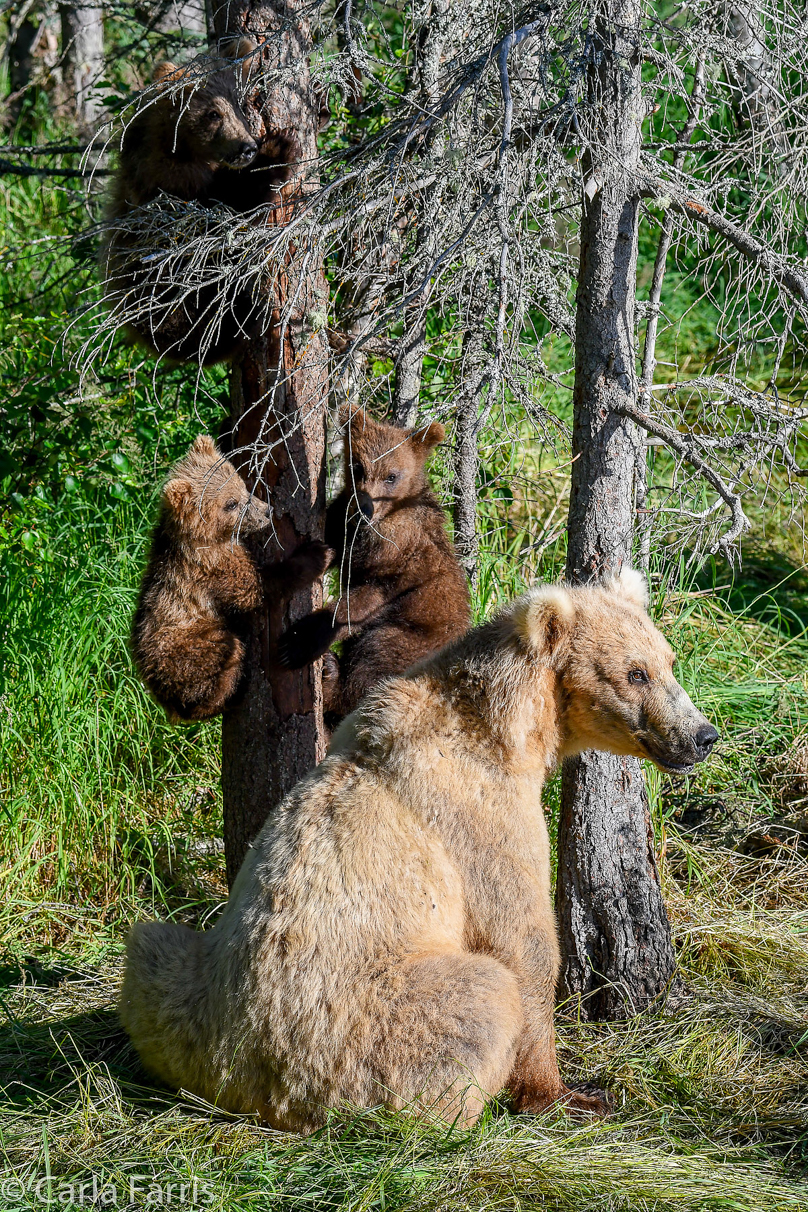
[274,735]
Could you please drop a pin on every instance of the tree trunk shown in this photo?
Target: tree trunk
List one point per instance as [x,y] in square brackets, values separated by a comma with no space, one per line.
[615,938]
[23,37]
[413,347]
[274,735]
[83,62]
[466,457]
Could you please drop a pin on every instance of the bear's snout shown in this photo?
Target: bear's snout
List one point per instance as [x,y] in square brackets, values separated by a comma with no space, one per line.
[244,154]
[365,503]
[675,735]
[704,740]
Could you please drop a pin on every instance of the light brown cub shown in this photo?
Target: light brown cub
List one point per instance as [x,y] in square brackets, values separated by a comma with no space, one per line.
[201,583]
[390,938]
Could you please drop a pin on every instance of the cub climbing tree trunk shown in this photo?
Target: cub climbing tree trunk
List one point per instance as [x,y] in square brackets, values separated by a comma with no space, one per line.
[279,390]
[615,938]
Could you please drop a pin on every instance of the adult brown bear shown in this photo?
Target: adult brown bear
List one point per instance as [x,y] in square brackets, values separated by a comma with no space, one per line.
[390,937]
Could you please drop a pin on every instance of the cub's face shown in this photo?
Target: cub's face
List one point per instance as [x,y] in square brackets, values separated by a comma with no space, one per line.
[217,128]
[230,510]
[208,502]
[385,465]
[380,484]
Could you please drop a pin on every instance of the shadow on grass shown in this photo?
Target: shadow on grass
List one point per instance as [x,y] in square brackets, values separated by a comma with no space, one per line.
[768,587]
[43,1062]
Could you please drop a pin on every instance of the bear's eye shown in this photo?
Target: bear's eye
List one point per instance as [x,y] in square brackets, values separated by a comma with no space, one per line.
[638,676]
[357,472]
[212,116]
[231,505]
[391,479]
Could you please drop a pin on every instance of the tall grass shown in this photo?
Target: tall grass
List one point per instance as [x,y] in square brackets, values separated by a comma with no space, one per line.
[92,777]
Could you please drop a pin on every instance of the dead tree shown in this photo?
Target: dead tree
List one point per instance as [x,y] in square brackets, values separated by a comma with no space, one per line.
[83,62]
[279,392]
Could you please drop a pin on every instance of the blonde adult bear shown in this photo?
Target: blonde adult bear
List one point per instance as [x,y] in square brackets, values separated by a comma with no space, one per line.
[390,937]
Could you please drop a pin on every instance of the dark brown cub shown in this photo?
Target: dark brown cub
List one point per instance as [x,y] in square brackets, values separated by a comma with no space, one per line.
[404,594]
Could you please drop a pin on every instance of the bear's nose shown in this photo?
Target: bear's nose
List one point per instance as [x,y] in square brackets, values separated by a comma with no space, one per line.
[365,505]
[247,150]
[704,739]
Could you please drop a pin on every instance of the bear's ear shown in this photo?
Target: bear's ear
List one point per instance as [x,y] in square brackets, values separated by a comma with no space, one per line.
[204,445]
[631,585]
[178,495]
[244,49]
[544,620]
[353,415]
[430,437]
[163,70]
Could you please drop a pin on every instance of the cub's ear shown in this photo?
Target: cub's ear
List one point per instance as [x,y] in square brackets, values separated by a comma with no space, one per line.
[204,445]
[178,496]
[242,48]
[430,437]
[163,70]
[544,620]
[353,415]
[631,585]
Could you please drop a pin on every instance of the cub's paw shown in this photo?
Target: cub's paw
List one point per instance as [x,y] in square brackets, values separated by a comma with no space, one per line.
[283,149]
[312,559]
[306,640]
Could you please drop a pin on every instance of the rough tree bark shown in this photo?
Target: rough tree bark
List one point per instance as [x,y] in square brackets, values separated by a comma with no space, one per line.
[466,437]
[274,735]
[412,348]
[83,62]
[615,937]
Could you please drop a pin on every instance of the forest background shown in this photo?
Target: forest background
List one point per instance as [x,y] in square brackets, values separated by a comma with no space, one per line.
[109,814]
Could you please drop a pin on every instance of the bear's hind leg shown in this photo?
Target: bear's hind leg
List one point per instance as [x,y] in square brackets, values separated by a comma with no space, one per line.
[450,1024]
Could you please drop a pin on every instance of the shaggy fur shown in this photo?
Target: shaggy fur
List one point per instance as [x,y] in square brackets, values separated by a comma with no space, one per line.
[390,937]
[196,143]
[405,592]
[201,583]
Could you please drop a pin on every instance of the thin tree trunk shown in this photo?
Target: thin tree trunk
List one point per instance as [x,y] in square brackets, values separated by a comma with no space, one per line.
[412,349]
[24,34]
[83,62]
[274,735]
[615,937]
[466,437]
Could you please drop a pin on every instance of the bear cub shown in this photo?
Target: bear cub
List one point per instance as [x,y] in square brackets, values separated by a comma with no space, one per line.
[404,594]
[201,583]
[193,140]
